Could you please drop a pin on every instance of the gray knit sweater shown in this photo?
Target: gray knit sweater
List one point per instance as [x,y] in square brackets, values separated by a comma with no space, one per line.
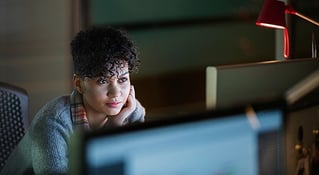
[44,148]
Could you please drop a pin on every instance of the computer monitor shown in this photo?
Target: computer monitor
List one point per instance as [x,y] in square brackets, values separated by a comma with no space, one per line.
[229,85]
[244,140]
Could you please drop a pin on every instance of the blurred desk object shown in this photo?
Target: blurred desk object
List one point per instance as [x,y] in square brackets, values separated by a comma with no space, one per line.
[13,118]
[302,124]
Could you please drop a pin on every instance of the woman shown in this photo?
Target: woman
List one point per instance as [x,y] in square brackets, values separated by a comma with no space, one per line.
[103,59]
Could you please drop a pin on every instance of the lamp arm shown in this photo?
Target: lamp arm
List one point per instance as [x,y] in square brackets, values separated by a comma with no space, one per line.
[307,19]
[292,11]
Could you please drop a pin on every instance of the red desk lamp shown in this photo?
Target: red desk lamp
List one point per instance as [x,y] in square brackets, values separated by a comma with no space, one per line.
[272,15]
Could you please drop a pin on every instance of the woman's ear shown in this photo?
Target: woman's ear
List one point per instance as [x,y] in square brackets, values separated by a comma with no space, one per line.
[77,83]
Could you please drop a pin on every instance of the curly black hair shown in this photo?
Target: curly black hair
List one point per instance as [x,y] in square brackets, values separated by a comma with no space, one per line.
[101,51]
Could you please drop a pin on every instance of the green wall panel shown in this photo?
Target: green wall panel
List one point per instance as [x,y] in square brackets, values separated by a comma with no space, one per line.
[128,11]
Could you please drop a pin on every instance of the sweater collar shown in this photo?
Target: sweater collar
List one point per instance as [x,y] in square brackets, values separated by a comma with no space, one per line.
[78,112]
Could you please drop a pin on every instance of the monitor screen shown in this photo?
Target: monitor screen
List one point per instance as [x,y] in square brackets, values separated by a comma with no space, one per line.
[242,141]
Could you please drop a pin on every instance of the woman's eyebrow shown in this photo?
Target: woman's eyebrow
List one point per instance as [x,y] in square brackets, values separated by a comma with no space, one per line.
[118,76]
[123,74]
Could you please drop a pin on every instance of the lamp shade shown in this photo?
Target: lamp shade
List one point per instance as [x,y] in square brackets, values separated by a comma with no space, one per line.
[272,15]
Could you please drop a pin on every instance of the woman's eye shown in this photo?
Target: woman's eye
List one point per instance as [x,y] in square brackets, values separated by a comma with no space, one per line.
[122,80]
[102,81]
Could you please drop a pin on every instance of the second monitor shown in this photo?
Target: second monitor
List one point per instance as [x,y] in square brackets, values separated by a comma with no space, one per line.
[232,85]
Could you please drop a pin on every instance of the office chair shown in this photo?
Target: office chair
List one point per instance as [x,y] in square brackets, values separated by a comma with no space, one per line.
[13,118]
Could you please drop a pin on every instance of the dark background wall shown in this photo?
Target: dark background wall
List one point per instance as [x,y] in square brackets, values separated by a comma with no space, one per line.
[179,39]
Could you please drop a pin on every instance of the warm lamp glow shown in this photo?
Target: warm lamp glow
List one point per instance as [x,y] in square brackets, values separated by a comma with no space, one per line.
[272,15]
[269,25]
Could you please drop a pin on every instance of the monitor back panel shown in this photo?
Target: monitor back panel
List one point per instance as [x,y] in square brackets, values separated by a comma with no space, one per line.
[232,85]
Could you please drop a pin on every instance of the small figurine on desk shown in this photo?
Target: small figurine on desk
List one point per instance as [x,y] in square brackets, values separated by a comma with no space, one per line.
[315,158]
[303,155]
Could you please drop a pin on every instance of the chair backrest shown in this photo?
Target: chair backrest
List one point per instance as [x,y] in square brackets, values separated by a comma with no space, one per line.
[13,118]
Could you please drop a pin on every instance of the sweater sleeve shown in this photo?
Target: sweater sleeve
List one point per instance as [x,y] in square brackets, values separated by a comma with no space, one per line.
[138,115]
[49,148]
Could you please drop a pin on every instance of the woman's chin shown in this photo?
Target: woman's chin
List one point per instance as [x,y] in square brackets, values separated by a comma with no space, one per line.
[113,112]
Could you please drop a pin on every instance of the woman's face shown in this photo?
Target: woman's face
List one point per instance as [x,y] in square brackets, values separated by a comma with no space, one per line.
[106,95]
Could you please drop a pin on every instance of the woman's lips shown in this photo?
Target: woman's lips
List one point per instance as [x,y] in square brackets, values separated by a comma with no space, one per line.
[113,104]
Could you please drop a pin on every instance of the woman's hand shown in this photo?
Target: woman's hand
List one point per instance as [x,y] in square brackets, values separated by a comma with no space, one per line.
[128,108]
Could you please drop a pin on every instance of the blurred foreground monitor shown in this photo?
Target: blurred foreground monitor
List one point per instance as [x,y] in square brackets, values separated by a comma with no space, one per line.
[245,140]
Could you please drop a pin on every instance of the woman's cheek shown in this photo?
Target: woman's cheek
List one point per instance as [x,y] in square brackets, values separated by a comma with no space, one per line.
[126,92]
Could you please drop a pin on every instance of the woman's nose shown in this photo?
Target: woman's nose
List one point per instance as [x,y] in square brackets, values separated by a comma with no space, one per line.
[114,91]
